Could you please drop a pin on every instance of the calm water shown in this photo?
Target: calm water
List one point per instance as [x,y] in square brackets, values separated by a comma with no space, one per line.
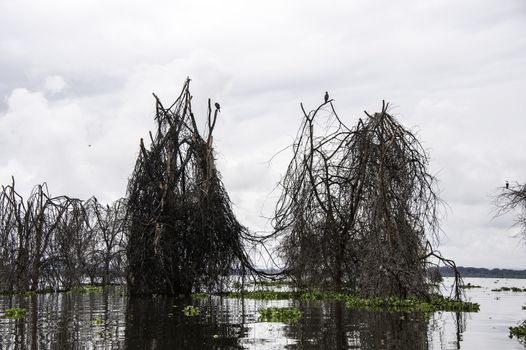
[110,320]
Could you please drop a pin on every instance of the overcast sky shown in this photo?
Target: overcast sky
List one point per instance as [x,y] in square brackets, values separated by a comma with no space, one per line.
[80,73]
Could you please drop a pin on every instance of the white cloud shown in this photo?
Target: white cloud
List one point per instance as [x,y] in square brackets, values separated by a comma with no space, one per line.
[54,84]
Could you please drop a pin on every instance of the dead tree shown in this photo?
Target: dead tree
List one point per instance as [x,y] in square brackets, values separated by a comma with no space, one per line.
[49,242]
[183,235]
[358,207]
[511,198]
[108,224]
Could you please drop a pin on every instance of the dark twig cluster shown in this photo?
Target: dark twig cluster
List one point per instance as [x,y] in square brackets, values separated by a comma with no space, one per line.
[58,242]
[513,197]
[184,236]
[358,206]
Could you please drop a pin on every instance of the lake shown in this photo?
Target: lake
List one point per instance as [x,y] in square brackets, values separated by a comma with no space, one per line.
[111,320]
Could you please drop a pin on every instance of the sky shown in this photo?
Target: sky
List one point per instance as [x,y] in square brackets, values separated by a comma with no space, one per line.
[76,83]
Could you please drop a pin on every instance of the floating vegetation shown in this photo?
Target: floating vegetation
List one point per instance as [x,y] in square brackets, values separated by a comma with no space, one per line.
[275,284]
[509,289]
[468,286]
[200,295]
[15,313]
[97,321]
[264,295]
[86,289]
[279,314]
[190,310]
[519,331]
[437,303]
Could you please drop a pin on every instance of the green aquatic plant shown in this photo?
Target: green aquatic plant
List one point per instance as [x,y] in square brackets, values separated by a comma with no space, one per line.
[15,313]
[279,314]
[317,295]
[276,284]
[97,321]
[519,331]
[200,295]
[86,289]
[468,286]
[263,295]
[394,304]
[437,303]
[509,289]
[190,310]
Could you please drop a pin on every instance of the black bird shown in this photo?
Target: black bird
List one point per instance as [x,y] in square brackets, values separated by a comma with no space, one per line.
[507,185]
[326,96]
[217,105]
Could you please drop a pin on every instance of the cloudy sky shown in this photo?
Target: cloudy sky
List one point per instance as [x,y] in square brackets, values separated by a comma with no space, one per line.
[80,73]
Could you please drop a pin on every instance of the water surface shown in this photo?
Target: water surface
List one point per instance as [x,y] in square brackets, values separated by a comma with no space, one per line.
[112,320]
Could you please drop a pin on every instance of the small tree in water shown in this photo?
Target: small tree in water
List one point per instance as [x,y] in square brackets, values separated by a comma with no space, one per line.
[358,206]
[183,235]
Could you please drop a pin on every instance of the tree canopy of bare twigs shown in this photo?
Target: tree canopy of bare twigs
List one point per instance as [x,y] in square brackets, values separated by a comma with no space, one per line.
[183,235]
[358,207]
[58,242]
[513,197]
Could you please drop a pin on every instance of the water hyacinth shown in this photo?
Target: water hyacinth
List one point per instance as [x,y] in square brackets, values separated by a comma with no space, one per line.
[279,314]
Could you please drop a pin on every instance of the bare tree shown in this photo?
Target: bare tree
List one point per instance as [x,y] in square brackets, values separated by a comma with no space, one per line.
[53,242]
[511,198]
[183,235]
[358,207]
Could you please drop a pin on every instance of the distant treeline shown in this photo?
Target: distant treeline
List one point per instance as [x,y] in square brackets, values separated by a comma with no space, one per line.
[482,272]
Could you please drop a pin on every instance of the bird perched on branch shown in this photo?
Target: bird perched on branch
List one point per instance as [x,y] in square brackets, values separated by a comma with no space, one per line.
[507,185]
[326,96]
[217,106]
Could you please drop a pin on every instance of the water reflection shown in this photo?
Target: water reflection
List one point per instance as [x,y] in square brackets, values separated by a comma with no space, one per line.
[111,320]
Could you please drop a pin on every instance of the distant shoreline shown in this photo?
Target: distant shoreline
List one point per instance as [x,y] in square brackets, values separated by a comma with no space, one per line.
[483,272]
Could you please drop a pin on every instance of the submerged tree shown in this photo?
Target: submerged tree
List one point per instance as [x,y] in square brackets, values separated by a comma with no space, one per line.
[53,242]
[358,207]
[183,235]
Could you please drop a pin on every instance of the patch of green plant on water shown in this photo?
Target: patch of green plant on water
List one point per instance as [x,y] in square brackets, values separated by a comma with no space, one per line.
[437,303]
[86,289]
[468,286]
[276,284]
[190,310]
[97,321]
[393,304]
[263,295]
[15,313]
[509,289]
[519,331]
[317,295]
[279,314]
[200,295]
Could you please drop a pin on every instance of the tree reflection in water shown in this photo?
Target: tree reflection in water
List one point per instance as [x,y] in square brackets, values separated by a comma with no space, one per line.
[112,320]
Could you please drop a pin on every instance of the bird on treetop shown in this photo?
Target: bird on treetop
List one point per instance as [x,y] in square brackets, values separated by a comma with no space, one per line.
[507,184]
[326,96]
[217,105]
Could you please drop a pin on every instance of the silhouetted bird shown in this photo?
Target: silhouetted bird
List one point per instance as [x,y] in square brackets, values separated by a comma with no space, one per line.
[326,96]
[217,105]
[507,185]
